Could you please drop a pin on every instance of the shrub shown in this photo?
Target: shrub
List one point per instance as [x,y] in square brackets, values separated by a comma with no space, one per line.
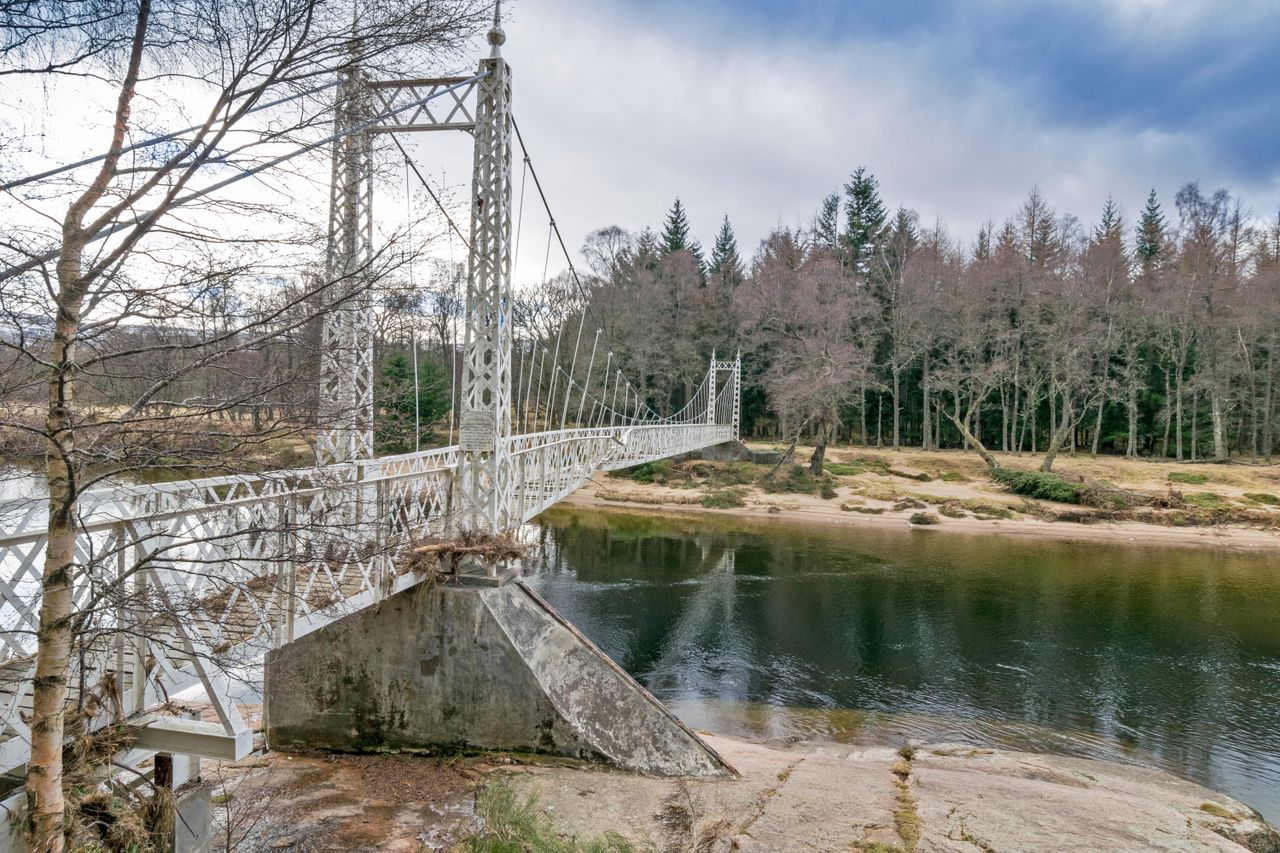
[1262,498]
[797,479]
[826,489]
[869,510]
[725,499]
[920,478]
[1189,478]
[733,474]
[1037,484]
[924,518]
[658,471]
[952,511]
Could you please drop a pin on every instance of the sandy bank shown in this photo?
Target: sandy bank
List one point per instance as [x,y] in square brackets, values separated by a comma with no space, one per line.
[807,509]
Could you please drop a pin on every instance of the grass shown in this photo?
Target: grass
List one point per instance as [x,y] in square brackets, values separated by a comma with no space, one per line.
[863,463]
[513,825]
[953,477]
[725,499]
[1262,498]
[986,510]
[923,518]
[1037,484]
[906,819]
[1188,478]
[1216,810]
[951,510]
[1206,500]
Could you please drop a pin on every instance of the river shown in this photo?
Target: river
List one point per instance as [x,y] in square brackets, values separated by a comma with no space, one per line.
[1161,656]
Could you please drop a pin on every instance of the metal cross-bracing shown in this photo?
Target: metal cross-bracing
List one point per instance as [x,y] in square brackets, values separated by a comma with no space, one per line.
[221,569]
[484,471]
[346,393]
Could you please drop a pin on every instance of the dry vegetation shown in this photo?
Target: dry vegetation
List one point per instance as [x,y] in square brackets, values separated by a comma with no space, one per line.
[920,486]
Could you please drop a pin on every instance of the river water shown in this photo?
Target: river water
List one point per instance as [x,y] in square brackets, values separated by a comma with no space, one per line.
[1161,656]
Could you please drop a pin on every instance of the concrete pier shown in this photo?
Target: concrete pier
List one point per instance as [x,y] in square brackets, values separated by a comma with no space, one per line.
[451,665]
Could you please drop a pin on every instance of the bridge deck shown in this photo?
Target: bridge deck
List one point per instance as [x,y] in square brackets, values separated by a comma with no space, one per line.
[197,579]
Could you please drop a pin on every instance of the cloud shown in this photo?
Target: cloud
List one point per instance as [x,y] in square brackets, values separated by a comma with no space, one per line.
[958,114]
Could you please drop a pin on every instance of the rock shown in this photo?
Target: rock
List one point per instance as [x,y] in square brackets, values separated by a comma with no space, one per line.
[959,798]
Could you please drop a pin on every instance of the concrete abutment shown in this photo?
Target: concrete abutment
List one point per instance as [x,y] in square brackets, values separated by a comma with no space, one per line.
[449,665]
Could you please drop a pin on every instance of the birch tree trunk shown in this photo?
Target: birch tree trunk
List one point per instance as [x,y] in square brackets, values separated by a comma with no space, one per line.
[1097,427]
[1131,376]
[897,407]
[1168,417]
[1059,435]
[54,641]
[1220,450]
[971,440]
[926,437]
[1268,407]
[1177,410]
[862,411]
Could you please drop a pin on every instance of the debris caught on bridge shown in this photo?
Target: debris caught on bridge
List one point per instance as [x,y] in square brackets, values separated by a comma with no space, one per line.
[442,554]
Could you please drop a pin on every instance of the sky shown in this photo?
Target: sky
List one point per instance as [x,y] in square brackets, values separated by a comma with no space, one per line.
[756,109]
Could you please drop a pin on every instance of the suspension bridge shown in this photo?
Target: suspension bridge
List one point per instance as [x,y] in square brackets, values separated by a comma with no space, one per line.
[190,584]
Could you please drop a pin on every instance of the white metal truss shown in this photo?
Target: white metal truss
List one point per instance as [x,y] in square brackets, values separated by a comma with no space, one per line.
[346,370]
[484,470]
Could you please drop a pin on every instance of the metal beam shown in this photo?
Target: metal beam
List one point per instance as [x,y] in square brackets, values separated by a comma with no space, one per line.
[193,737]
[484,480]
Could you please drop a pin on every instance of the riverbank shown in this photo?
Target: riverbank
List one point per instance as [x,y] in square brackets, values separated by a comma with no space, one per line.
[810,796]
[1233,506]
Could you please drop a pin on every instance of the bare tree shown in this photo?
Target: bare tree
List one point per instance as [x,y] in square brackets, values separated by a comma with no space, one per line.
[132,239]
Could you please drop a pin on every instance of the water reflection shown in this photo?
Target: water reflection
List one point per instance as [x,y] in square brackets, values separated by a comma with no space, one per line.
[1166,656]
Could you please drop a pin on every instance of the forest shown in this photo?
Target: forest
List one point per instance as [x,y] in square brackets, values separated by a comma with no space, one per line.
[1040,335]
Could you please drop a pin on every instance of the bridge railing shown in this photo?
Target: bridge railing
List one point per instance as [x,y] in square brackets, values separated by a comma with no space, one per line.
[188,583]
[181,584]
[550,465]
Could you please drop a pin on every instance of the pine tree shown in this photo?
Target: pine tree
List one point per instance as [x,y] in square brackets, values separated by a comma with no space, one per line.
[1110,226]
[864,214]
[675,234]
[826,229]
[726,263]
[1152,237]
[982,249]
[902,238]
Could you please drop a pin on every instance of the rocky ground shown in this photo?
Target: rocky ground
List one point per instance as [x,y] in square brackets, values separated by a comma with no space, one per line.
[811,797]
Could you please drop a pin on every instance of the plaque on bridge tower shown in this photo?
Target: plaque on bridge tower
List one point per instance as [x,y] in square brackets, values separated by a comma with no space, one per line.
[477,432]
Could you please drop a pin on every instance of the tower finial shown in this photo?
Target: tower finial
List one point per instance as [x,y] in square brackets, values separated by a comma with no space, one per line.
[496,36]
